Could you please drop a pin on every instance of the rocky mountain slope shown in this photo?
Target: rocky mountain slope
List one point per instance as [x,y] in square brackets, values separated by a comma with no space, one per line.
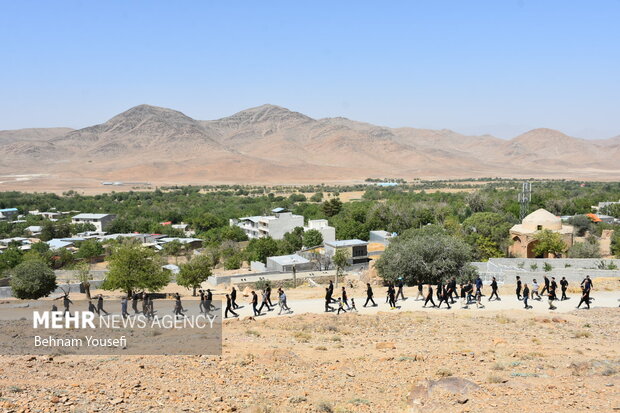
[271,144]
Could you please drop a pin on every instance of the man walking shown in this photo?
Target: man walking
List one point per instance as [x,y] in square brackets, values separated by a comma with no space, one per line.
[400,292]
[345,300]
[526,296]
[124,312]
[233,298]
[546,286]
[255,303]
[443,297]
[518,288]
[585,297]
[369,295]
[420,291]
[479,285]
[494,290]
[429,296]
[328,300]
[535,289]
[564,286]
[553,288]
[229,308]
[100,305]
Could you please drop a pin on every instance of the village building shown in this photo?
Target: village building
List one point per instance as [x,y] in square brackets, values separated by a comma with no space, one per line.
[523,234]
[100,221]
[322,225]
[274,226]
[357,250]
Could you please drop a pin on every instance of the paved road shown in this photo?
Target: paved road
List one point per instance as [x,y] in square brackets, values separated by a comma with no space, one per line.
[317,306]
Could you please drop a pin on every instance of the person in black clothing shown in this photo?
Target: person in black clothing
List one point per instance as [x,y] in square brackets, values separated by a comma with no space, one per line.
[429,296]
[255,303]
[100,305]
[439,290]
[526,296]
[331,292]
[134,303]
[369,295]
[229,307]
[553,288]
[546,287]
[392,298]
[587,283]
[201,307]
[518,287]
[328,300]
[209,301]
[564,286]
[452,290]
[444,296]
[268,297]
[233,298]
[388,292]
[400,292]
[494,290]
[585,297]
[345,300]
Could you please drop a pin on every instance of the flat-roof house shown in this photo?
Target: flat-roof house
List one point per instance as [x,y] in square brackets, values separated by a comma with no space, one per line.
[357,249]
[34,230]
[322,225]
[100,221]
[7,214]
[274,226]
[285,263]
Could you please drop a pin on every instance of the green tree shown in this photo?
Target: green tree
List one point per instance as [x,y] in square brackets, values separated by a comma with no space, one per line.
[332,207]
[341,261]
[84,277]
[260,248]
[173,248]
[582,224]
[613,210]
[487,233]
[312,238]
[548,242]
[317,197]
[10,258]
[133,267]
[426,256]
[233,233]
[292,241]
[32,280]
[584,250]
[90,249]
[194,272]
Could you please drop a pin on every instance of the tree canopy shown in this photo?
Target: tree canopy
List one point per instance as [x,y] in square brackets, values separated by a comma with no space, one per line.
[32,280]
[426,256]
[548,242]
[133,267]
[194,272]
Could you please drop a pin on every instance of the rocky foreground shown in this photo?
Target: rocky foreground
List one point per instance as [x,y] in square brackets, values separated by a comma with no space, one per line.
[385,362]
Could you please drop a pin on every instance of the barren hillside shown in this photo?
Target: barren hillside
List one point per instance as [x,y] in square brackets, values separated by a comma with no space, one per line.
[271,144]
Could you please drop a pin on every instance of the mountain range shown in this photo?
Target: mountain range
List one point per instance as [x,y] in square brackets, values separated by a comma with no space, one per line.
[270,144]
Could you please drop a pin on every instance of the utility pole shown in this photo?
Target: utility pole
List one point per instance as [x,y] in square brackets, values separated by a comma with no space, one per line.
[524,199]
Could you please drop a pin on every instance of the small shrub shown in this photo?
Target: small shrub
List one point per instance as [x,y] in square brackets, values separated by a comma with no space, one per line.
[498,367]
[583,334]
[534,267]
[321,348]
[494,379]
[324,407]
[252,333]
[547,267]
[359,402]
[444,373]
[335,338]
[297,399]
[302,337]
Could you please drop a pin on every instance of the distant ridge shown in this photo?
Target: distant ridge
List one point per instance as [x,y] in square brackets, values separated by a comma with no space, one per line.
[272,144]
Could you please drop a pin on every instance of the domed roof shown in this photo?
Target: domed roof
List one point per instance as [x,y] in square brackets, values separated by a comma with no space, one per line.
[543,218]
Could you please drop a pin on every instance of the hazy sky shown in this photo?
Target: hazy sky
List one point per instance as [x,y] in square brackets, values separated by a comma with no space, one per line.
[499,67]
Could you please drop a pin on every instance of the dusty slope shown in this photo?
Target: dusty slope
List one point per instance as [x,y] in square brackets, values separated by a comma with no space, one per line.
[271,144]
[347,363]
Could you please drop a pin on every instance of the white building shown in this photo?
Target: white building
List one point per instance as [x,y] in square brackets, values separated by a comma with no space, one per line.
[285,263]
[356,249]
[274,226]
[8,214]
[100,221]
[322,225]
